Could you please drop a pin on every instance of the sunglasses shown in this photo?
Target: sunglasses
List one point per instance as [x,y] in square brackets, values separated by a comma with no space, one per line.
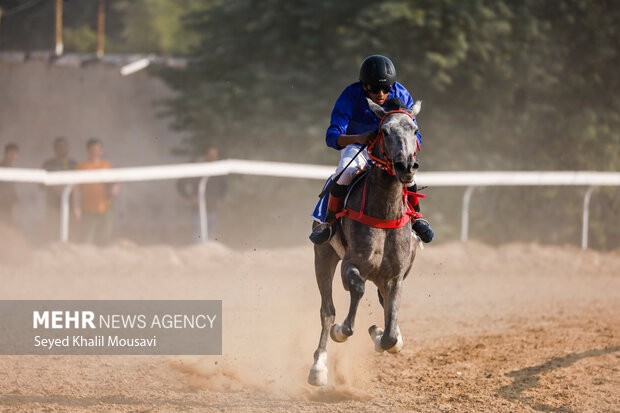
[376,89]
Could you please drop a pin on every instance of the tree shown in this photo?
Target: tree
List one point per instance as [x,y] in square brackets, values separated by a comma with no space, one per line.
[506,85]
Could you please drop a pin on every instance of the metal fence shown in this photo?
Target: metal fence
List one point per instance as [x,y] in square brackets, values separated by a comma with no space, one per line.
[469,180]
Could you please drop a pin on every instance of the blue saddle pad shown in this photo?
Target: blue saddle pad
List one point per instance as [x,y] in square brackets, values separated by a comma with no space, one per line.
[320,210]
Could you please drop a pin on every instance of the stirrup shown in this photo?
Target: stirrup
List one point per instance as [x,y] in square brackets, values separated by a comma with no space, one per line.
[320,236]
[422,220]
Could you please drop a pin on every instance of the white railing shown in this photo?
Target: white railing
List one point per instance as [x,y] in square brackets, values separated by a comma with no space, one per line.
[470,180]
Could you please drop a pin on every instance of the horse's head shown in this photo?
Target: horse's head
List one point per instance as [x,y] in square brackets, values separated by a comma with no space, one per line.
[399,136]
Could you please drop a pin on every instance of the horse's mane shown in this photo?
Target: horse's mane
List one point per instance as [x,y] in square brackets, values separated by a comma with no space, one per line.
[394,104]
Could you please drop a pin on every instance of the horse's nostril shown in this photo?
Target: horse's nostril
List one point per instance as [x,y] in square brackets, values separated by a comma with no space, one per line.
[400,166]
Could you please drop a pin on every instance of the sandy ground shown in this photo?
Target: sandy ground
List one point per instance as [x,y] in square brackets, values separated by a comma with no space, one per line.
[513,328]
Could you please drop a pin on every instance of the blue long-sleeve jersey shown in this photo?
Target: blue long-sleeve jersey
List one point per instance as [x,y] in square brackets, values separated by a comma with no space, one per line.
[352,116]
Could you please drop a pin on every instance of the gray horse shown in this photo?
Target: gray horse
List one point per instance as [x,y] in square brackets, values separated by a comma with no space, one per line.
[383,256]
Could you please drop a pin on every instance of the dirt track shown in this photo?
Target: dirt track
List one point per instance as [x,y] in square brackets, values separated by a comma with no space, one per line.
[515,328]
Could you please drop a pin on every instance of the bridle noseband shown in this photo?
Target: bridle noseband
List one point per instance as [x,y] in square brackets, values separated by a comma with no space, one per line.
[386,164]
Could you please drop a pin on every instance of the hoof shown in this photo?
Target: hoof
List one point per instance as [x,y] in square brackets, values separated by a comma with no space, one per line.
[375,335]
[398,346]
[336,333]
[318,376]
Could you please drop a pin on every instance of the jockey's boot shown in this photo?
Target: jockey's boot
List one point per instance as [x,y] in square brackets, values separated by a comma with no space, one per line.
[334,205]
[420,226]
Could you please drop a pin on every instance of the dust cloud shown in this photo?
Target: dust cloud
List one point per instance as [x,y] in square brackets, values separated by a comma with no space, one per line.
[465,309]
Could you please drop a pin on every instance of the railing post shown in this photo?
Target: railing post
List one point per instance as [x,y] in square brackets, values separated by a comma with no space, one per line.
[202,208]
[64,213]
[465,212]
[586,216]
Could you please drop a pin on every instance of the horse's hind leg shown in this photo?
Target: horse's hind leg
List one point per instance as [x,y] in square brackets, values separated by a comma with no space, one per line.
[325,261]
[356,286]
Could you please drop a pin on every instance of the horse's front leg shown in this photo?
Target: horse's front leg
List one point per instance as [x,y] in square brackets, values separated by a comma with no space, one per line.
[390,339]
[355,285]
[325,261]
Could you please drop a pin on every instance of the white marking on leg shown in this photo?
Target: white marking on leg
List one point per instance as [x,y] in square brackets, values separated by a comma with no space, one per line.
[378,347]
[398,346]
[318,371]
[375,335]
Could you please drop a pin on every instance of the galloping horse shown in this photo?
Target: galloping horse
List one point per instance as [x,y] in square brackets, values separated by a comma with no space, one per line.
[383,254]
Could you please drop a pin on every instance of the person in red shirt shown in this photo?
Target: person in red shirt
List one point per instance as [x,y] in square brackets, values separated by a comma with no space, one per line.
[92,202]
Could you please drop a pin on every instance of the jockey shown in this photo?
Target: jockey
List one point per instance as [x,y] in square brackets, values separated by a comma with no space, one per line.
[352,125]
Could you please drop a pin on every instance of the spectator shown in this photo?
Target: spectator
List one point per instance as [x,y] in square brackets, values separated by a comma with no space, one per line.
[214,194]
[94,210]
[8,194]
[60,162]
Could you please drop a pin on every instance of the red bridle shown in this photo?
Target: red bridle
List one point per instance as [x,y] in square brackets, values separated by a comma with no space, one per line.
[386,163]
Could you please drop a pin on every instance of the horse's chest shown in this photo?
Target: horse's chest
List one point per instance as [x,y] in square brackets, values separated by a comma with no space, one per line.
[389,263]
[383,257]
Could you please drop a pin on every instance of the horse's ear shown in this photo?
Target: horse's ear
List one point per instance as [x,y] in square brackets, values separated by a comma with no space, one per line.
[415,109]
[376,109]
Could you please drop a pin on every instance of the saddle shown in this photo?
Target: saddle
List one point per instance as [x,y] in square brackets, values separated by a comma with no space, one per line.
[409,213]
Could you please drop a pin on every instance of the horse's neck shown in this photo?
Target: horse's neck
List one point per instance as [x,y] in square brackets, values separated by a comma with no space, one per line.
[384,197]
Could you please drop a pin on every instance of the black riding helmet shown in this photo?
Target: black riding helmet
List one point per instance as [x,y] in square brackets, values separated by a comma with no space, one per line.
[378,72]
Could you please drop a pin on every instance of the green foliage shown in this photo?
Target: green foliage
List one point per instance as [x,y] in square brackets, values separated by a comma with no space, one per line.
[82,39]
[156,26]
[501,76]
[132,26]
[506,85]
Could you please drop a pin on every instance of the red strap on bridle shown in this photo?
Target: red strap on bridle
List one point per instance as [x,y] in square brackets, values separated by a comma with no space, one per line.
[386,163]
